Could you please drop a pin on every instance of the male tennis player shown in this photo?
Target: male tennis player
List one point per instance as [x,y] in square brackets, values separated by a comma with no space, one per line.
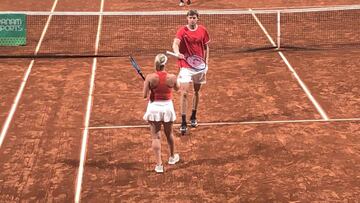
[191,39]
[161,109]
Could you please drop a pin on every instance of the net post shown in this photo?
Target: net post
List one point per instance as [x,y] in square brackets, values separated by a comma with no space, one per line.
[278,29]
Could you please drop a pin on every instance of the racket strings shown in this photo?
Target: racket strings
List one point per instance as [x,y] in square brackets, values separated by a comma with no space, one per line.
[196,62]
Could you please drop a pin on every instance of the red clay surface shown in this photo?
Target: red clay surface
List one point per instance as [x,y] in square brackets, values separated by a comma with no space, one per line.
[11,75]
[25,5]
[252,87]
[252,163]
[80,5]
[311,161]
[333,77]
[45,133]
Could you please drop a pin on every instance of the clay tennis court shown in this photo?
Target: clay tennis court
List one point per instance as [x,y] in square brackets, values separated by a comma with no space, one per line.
[274,125]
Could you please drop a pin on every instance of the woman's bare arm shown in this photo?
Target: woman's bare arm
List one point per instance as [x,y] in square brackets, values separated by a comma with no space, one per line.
[146,88]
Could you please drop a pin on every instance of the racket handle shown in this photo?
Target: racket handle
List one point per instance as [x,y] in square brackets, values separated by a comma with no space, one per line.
[172,53]
[141,75]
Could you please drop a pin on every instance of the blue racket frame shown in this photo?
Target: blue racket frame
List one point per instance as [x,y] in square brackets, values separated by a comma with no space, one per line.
[136,67]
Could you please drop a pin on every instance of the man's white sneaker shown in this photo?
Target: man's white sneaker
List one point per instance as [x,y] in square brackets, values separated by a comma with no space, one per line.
[193,123]
[159,169]
[181,4]
[183,129]
[174,159]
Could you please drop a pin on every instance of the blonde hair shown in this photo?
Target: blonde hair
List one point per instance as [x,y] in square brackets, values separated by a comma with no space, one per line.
[160,61]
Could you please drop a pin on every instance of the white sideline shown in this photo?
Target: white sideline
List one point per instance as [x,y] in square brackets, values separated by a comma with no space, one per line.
[24,80]
[234,123]
[301,83]
[88,113]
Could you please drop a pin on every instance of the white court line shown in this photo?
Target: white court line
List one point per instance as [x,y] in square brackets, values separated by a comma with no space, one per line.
[301,83]
[88,113]
[234,123]
[24,80]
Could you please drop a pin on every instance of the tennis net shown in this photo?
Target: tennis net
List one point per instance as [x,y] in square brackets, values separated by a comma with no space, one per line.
[67,34]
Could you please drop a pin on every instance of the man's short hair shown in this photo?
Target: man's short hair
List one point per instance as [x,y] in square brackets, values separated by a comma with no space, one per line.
[193,13]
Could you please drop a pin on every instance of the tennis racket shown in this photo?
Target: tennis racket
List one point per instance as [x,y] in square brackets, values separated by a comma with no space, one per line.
[138,70]
[196,62]
[136,67]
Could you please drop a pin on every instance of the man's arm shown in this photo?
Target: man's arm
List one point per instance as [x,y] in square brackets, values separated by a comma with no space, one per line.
[207,53]
[175,47]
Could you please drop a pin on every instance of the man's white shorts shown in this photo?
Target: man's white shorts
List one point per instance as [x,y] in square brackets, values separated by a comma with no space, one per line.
[187,75]
[160,111]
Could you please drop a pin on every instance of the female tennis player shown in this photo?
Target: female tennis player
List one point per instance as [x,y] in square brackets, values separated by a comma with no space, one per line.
[160,109]
[191,40]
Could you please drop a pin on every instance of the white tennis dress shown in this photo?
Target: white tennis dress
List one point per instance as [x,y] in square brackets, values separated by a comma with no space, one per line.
[160,111]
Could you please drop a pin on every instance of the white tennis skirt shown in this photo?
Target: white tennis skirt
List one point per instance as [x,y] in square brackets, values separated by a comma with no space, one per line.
[160,111]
